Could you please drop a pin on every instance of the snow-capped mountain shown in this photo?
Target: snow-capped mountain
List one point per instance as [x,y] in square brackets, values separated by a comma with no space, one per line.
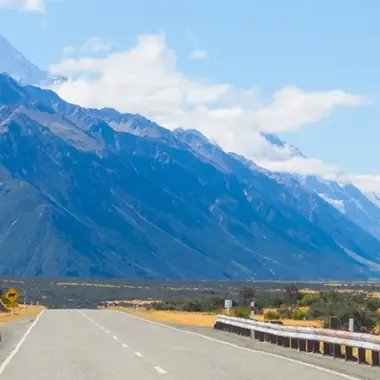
[362,208]
[20,68]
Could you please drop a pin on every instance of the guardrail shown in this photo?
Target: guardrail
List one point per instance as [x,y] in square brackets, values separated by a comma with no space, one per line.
[339,344]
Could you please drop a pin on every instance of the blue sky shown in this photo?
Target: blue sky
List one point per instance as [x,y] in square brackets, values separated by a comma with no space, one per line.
[266,45]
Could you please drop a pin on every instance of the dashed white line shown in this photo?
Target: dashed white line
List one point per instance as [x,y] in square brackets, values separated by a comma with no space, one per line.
[115,337]
[264,353]
[139,354]
[160,370]
[106,331]
[125,345]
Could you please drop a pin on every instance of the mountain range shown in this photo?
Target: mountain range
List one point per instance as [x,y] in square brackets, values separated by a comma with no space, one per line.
[88,192]
[97,193]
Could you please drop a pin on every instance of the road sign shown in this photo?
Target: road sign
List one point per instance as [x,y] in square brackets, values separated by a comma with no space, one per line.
[11,296]
[227,304]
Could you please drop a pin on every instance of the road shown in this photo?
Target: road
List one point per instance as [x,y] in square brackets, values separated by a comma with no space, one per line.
[100,345]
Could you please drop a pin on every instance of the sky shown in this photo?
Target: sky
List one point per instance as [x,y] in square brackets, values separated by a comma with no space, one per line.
[305,70]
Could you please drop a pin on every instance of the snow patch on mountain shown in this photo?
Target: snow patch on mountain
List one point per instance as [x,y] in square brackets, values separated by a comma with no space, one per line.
[21,69]
[337,203]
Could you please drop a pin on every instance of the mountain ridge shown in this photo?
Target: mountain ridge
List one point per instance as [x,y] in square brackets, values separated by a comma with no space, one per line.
[361,208]
[14,63]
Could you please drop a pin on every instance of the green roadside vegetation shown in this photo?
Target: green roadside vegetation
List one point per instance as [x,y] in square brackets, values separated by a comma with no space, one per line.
[290,303]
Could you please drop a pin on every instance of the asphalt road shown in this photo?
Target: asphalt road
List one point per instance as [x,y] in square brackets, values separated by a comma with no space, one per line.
[110,345]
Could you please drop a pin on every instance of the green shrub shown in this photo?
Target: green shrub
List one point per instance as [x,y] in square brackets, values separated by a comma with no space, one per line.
[242,312]
[298,315]
[272,315]
[309,299]
[285,312]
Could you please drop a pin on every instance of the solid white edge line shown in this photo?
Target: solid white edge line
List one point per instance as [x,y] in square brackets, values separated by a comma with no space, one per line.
[8,359]
[160,370]
[314,366]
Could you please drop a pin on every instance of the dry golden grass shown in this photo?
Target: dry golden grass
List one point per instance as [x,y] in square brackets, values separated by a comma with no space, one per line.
[207,320]
[20,313]
[178,317]
[291,322]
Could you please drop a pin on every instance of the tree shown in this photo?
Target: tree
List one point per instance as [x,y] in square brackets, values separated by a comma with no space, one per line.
[292,294]
[246,295]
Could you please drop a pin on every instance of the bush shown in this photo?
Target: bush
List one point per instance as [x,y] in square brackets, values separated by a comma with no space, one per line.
[298,315]
[285,312]
[309,299]
[242,312]
[272,315]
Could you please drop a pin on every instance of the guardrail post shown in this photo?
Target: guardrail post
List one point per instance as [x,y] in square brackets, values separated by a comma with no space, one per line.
[326,348]
[310,345]
[286,341]
[337,350]
[348,353]
[361,355]
[375,356]
[294,343]
[301,345]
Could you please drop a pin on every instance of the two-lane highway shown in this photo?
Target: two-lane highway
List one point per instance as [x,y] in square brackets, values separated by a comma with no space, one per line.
[110,345]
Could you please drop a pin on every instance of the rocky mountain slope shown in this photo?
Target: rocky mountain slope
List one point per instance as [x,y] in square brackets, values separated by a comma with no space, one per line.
[20,68]
[87,192]
[361,208]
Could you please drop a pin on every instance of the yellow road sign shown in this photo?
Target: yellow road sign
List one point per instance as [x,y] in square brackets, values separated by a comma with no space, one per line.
[11,296]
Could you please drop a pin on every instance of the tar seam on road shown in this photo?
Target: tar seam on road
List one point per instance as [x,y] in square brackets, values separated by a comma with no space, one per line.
[19,344]
[330,371]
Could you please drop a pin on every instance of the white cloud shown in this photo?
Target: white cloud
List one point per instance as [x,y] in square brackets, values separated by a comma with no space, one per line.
[68,50]
[370,183]
[292,108]
[145,79]
[198,54]
[92,45]
[96,45]
[24,5]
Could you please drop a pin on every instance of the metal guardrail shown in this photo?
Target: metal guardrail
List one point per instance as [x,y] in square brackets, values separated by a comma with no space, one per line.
[306,338]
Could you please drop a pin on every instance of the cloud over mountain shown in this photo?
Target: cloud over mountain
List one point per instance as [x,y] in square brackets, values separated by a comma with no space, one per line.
[145,79]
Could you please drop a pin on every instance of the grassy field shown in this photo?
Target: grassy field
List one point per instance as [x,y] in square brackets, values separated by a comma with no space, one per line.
[21,313]
[177,317]
[198,319]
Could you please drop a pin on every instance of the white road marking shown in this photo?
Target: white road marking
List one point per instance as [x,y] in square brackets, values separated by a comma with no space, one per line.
[115,337]
[139,354]
[106,331]
[19,344]
[160,370]
[314,366]
[125,345]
